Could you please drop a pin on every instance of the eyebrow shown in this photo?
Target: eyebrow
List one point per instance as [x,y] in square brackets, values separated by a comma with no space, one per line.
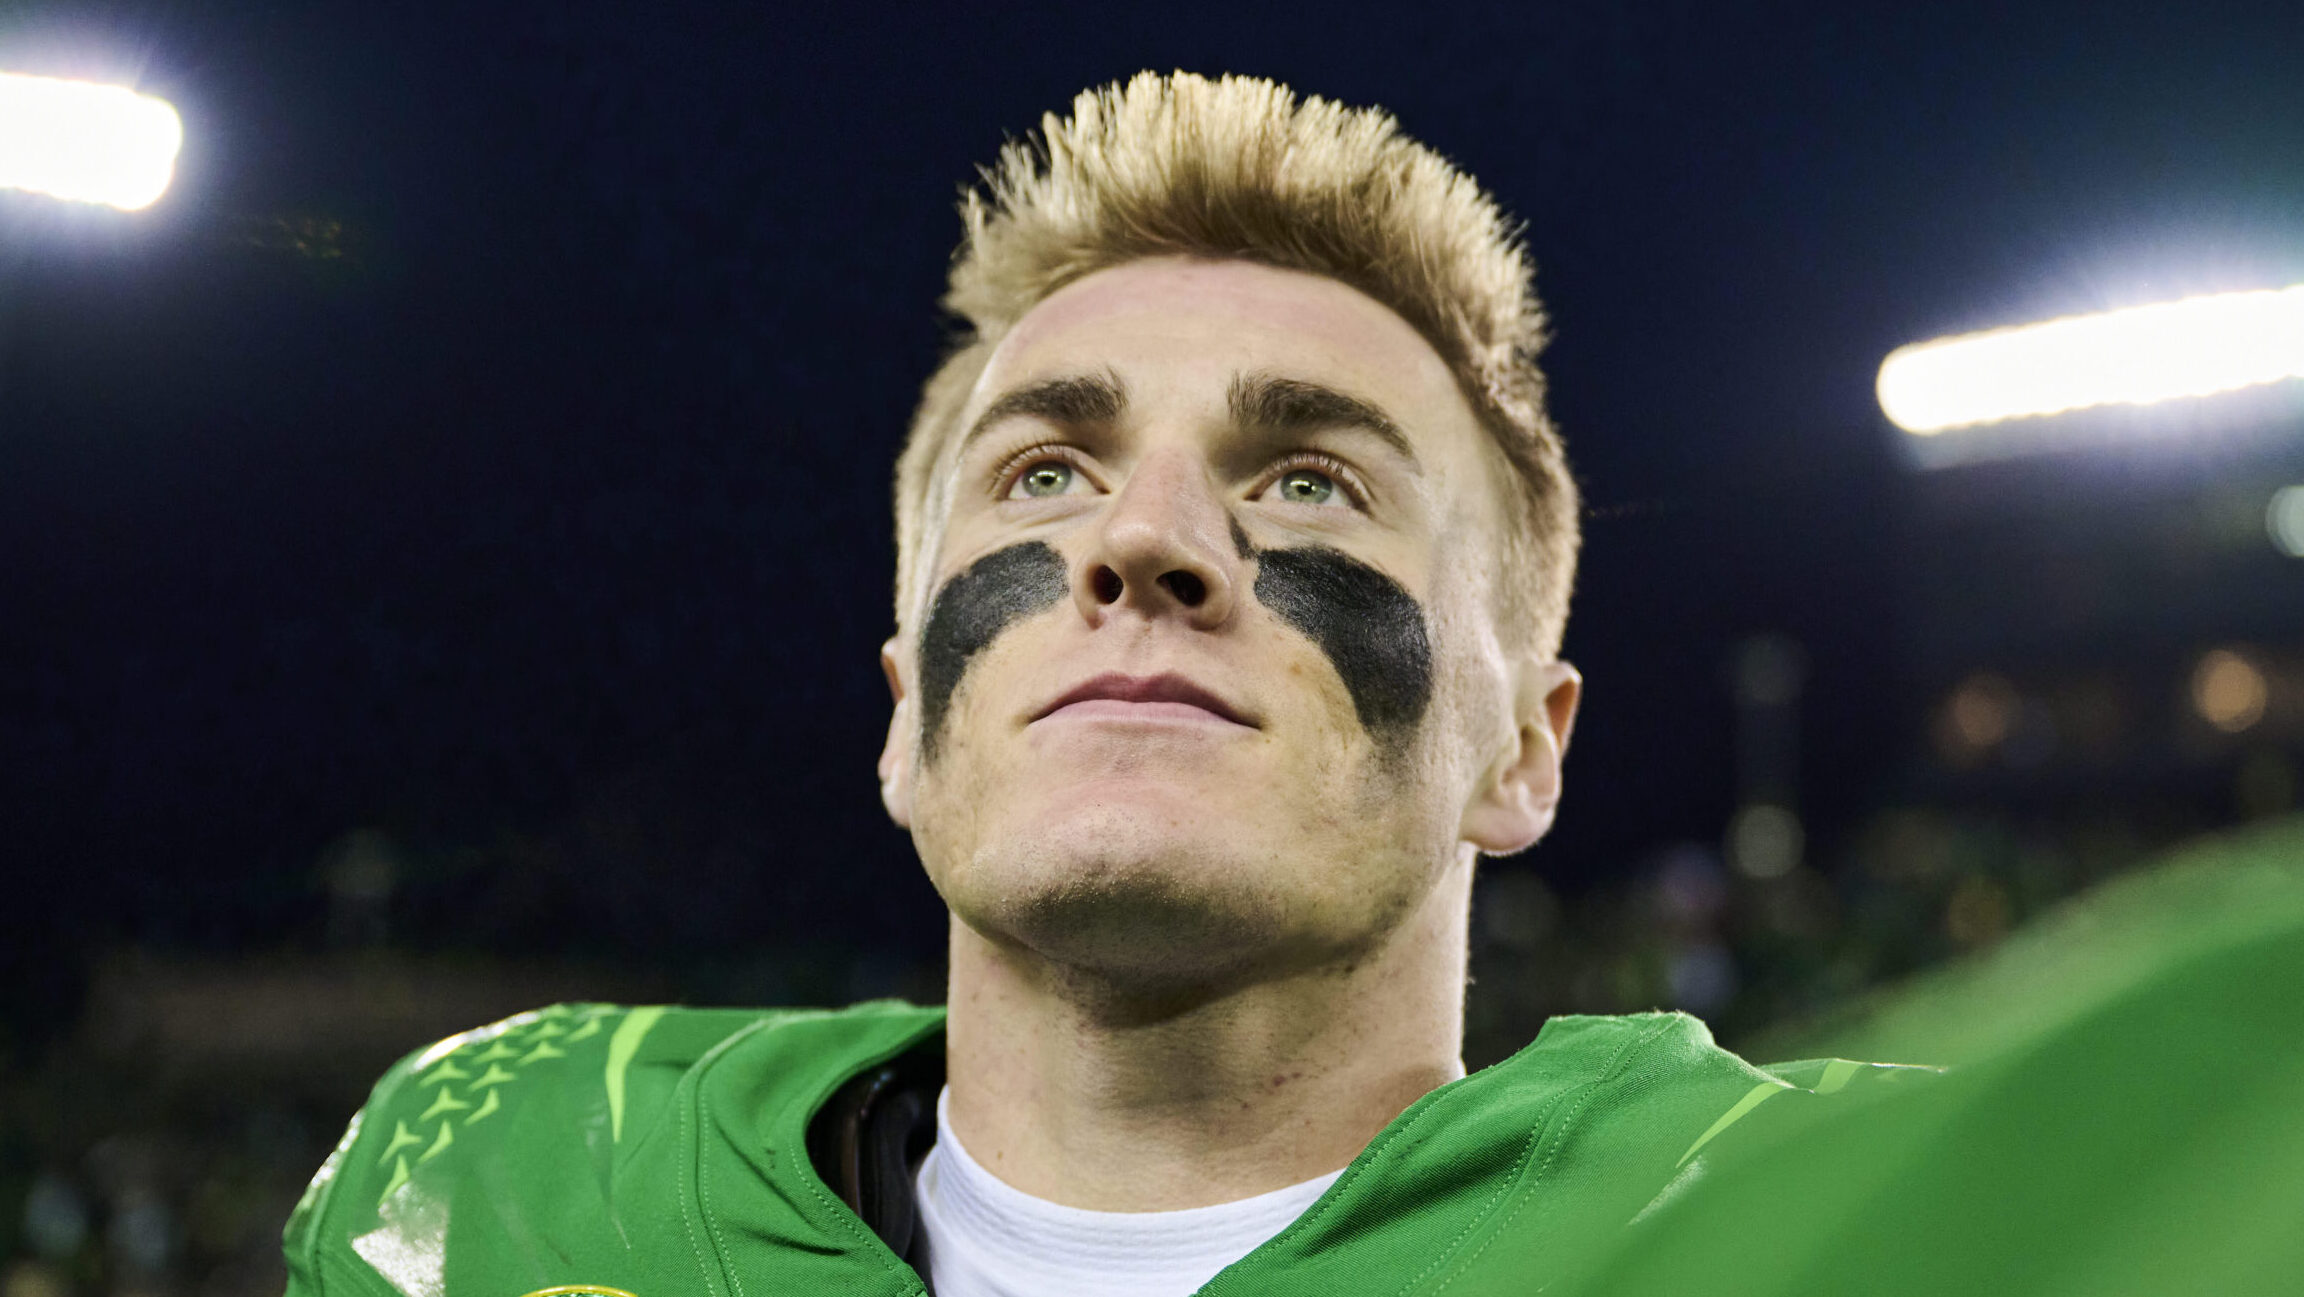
[1265,402]
[1072,400]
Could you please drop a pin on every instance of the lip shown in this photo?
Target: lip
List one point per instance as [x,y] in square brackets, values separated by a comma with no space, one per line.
[1164,697]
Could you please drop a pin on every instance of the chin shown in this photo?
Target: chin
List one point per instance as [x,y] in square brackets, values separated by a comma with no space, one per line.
[1136,895]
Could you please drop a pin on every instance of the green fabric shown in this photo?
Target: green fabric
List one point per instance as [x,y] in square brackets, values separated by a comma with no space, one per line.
[663,1152]
[492,1163]
[2124,1116]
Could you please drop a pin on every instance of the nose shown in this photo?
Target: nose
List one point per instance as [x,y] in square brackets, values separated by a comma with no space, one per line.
[1163,549]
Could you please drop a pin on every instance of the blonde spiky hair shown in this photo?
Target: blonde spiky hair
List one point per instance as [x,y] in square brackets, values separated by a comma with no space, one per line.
[1236,168]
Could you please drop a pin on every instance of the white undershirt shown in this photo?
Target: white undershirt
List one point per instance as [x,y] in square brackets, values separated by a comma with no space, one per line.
[989,1239]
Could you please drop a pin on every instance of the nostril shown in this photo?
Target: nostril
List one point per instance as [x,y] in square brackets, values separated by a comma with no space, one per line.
[1188,589]
[1106,584]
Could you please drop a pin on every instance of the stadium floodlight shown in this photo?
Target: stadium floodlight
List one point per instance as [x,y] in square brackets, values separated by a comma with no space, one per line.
[2137,356]
[86,142]
[2284,518]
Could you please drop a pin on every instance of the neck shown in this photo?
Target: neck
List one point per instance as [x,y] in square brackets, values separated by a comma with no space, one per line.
[1081,1095]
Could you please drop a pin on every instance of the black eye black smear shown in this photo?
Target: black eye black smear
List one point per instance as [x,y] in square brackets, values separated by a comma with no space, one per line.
[1371,628]
[994,592]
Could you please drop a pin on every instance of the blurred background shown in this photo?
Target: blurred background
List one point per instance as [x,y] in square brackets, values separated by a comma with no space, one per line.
[445,541]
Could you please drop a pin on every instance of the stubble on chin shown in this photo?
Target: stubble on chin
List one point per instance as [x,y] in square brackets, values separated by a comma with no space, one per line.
[1109,899]
[1135,937]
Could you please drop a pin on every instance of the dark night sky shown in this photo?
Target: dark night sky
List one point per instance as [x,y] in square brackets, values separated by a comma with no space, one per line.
[554,512]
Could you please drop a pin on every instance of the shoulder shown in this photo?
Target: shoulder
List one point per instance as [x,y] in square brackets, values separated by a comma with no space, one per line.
[1660,1083]
[547,1109]
[1504,1180]
[566,1061]
[1599,1111]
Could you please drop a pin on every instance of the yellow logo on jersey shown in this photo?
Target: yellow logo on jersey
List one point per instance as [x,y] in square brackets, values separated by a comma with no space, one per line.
[580,1290]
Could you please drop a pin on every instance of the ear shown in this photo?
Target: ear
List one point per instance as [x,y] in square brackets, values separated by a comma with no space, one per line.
[896,754]
[1518,796]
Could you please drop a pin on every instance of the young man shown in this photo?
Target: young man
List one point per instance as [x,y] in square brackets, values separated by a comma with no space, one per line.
[1234,555]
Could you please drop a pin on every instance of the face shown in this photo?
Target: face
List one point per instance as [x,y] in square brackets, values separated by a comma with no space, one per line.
[1206,681]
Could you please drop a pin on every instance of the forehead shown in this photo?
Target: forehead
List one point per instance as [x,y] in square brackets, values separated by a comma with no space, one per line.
[1190,320]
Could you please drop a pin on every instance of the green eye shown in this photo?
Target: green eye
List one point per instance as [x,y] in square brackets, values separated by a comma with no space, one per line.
[1047,478]
[1306,486]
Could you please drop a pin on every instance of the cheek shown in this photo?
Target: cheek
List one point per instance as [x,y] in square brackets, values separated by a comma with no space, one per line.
[1472,718]
[957,805]
[1370,628]
[971,611]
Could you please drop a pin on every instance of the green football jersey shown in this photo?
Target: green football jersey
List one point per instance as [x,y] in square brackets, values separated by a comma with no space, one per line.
[665,1152]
